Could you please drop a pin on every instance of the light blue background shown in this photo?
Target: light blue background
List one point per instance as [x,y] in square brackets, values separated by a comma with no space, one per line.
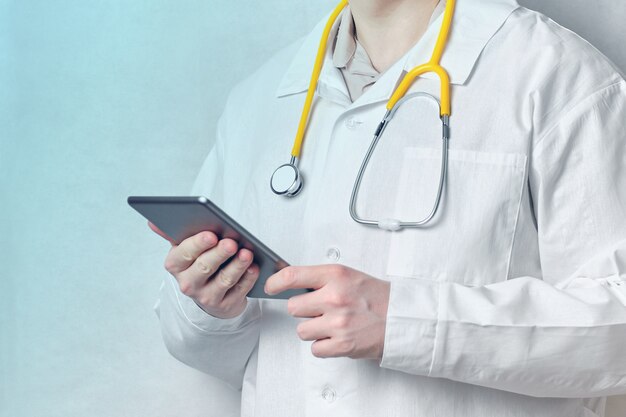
[100,100]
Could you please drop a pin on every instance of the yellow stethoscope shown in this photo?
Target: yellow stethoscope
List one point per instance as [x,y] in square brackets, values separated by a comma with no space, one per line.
[287,179]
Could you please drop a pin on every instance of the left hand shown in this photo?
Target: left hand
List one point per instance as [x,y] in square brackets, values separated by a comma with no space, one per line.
[348,309]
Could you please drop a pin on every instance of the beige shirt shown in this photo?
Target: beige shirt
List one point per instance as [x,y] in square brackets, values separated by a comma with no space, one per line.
[352,59]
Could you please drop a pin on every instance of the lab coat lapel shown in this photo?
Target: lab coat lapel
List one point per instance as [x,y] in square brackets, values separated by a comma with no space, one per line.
[297,77]
[475,23]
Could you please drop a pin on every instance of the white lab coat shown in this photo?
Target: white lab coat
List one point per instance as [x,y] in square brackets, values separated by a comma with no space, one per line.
[504,306]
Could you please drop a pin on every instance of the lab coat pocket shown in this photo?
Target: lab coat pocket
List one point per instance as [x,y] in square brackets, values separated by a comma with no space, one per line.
[470,238]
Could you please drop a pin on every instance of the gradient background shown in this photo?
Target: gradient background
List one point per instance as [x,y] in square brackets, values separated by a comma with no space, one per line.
[100,100]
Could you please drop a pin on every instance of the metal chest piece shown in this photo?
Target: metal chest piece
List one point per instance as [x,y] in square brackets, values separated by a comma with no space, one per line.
[287,179]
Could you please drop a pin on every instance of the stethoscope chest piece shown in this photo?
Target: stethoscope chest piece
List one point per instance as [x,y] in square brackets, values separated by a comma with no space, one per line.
[287,180]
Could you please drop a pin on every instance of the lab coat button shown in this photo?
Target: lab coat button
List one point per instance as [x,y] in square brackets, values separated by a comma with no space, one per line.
[329,394]
[333,254]
[351,123]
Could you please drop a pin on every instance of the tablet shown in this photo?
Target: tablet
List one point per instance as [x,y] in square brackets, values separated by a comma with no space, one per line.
[182,217]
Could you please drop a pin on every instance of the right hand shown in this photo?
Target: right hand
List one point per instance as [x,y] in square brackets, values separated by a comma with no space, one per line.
[195,264]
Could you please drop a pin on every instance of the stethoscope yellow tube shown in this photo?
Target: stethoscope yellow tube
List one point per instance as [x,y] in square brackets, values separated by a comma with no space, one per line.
[434,65]
[317,69]
[410,76]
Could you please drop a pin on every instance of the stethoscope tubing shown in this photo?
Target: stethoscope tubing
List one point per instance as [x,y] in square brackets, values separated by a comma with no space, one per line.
[393,224]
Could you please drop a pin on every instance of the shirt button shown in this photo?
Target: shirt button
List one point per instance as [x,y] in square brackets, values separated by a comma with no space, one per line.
[333,254]
[352,123]
[329,394]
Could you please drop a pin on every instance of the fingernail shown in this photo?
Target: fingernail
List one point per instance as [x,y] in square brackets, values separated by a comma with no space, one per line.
[228,248]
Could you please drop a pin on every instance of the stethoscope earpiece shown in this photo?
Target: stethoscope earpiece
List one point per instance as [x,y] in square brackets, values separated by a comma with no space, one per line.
[287,180]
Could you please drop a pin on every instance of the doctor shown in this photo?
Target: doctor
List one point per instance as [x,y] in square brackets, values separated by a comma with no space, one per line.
[508,303]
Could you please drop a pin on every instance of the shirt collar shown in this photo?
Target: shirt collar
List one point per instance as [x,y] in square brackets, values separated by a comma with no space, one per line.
[345,44]
[474,24]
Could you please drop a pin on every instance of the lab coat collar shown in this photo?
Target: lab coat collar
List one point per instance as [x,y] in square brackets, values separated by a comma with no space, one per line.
[475,22]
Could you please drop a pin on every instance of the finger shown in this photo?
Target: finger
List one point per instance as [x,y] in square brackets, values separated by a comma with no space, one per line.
[210,261]
[235,295]
[244,285]
[324,348]
[184,255]
[306,305]
[313,329]
[160,233]
[293,277]
[195,277]
[229,275]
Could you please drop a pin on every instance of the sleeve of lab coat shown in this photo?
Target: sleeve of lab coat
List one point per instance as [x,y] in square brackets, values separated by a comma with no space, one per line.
[560,335]
[218,347]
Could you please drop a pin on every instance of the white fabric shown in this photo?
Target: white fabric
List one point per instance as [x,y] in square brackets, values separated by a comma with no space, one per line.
[502,307]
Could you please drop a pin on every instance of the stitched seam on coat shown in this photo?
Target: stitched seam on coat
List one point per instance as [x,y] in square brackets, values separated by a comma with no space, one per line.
[437,325]
[517,215]
[623,323]
[589,98]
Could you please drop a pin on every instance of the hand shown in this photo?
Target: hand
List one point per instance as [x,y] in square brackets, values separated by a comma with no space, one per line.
[348,309]
[195,264]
